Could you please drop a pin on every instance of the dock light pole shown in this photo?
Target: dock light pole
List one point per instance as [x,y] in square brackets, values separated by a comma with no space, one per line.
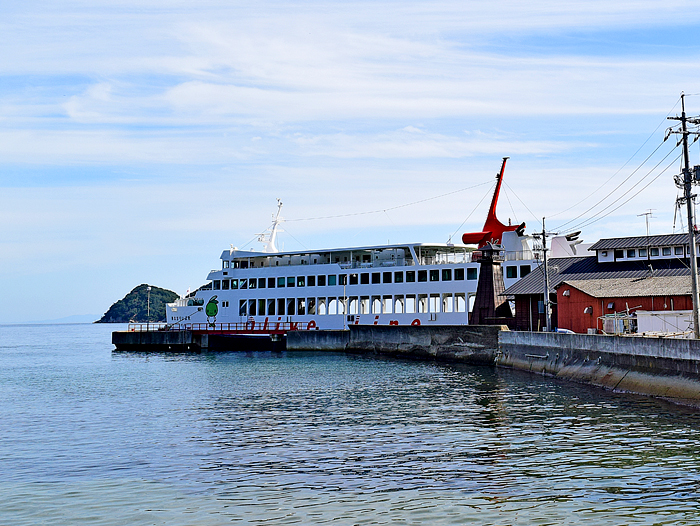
[685,181]
[148,309]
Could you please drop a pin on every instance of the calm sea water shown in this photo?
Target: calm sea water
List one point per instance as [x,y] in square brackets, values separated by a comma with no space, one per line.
[91,436]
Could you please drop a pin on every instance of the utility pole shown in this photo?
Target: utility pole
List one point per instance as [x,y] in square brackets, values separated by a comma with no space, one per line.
[685,182]
[547,302]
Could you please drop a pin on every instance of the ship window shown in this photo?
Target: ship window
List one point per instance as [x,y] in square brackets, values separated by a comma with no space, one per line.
[332,280]
[398,305]
[447,274]
[280,282]
[422,303]
[301,306]
[226,264]
[243,308]
[252,311]
[511,272]
[410,303]
[301,280]
[261,283]
[434,275]
[234,284]
[386,277]
[422,276]
[631,253]
[270,307]
[434,303]
[353,279]
[376,278]
[524,270]
[342,279]
[322,306]
[243,284]
[366,258]
[364,278]
[280,306]
[678,251]
[398,277]
[410,276]
[270,283]
[252,283]
[642,252]
[224,284]
[654,251]
[322,281]
[291,304]
[311,306]
[387,304]
[217,284]
[244,264]
[261,307]
[460,304]
[311,281]
[619,253]
[290,281]
[352,305]
[471,273]
[666,251]
[447,303]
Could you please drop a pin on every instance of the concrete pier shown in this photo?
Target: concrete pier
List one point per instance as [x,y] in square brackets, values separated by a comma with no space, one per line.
[474,344]
[661,367]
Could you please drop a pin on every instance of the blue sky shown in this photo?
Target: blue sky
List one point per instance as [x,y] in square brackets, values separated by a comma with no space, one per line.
[139,139]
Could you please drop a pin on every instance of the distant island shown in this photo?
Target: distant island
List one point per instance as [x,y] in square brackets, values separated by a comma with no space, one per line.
[134,306]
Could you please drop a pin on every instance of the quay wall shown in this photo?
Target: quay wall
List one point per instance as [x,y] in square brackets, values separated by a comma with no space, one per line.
[661,367]
[475,344]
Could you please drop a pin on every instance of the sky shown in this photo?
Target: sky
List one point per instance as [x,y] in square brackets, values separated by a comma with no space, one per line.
[139,139]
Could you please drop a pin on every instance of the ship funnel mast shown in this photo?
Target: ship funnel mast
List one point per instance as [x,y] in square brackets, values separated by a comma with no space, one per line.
[269,237]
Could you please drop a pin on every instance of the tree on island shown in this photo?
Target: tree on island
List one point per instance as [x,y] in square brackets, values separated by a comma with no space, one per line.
[134,306]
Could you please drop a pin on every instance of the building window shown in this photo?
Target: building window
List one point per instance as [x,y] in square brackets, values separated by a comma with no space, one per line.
[410,276]
[642,252]
[653,252]
[511,272]
[678,251]
[631,253]
[666,251]
[447,274]
[422,276]
[604,253]
[398,277]
[376,278]
[524,270]
[619,254]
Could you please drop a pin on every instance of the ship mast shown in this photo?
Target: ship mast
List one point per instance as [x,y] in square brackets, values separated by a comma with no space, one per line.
[269,237]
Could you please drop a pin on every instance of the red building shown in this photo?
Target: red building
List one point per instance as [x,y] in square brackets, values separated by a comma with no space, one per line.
[636,273]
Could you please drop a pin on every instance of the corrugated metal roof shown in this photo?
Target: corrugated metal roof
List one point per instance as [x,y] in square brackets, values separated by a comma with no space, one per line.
[588,268]
[633,287]
[640,241]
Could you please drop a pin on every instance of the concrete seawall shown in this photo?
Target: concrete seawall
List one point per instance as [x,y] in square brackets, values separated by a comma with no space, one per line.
[475,344]
[661,367]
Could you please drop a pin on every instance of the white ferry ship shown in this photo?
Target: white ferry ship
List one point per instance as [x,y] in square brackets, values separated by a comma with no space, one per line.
[401,284]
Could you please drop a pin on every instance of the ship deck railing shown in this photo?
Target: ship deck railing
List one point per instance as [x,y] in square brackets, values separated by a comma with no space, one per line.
[249,327]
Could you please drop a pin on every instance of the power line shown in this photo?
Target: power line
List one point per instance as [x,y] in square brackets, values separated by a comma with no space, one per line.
[382,210]
[620,169]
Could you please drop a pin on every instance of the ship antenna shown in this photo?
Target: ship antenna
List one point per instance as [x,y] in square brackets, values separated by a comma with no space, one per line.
[269,241]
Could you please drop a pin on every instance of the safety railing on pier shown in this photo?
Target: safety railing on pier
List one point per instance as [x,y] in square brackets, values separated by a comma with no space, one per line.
[249,327]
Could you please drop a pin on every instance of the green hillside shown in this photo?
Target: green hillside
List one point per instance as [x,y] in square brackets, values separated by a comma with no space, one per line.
[134,306]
